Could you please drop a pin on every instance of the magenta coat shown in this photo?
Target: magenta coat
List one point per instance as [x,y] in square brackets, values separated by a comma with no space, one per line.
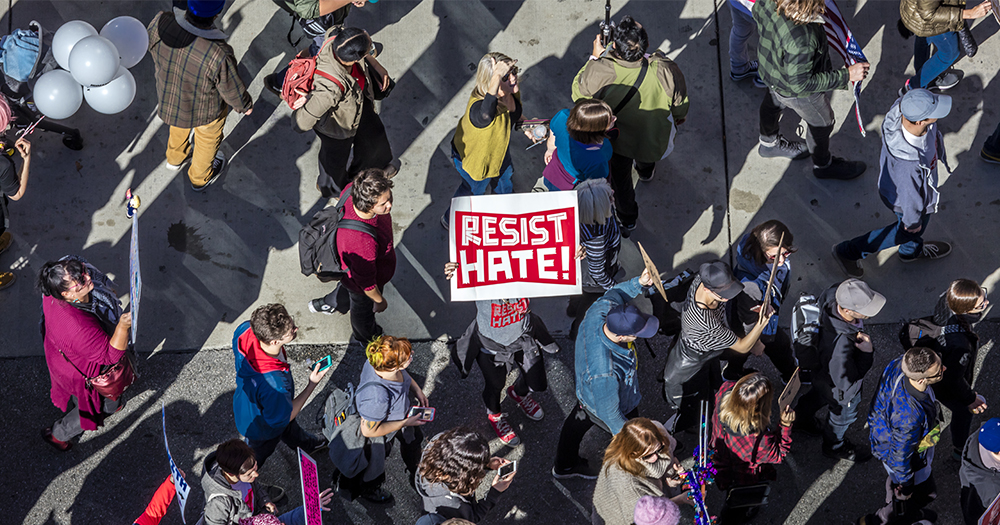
[80,336]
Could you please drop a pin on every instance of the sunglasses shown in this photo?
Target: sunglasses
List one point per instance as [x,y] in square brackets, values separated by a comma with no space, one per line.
[982,306]
[513,71]
[653,456]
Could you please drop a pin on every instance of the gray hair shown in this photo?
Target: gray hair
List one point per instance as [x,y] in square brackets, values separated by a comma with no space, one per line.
[594,197]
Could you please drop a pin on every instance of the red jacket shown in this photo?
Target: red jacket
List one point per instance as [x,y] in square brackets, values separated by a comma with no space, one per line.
[734,453]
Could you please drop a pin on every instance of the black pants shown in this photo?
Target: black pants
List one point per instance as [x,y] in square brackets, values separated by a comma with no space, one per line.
[371,150]
[620,179]
[576,425]
[685,386]
[495,377]
[410,454]
[815,110]
[961,422]
[363,324]
[293,436]
[777,348]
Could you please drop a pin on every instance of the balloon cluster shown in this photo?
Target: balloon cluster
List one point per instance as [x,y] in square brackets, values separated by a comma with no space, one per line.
[94,67]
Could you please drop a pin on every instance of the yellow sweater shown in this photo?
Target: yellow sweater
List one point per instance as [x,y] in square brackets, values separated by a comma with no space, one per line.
[482,149]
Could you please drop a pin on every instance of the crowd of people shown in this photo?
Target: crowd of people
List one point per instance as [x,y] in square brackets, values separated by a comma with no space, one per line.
[628,102]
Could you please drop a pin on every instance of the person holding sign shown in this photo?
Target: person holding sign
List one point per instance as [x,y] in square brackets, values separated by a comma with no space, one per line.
[746,447]
[705,335]
[607,366]
[980,472]
[12,185]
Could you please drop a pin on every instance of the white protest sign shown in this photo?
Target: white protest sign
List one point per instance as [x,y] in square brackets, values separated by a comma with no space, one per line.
[179,483]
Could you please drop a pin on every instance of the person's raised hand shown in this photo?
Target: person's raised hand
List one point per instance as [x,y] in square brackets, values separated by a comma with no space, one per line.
[979,11]
[787,416]
[598,49]
[501,68]
[325,498]
[449,269]
[23,147]
[645,279]
[858,71]
[125,320]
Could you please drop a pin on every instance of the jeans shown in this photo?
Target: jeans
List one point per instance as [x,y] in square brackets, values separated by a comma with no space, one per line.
[68,426]
[371,150]
[501,185]
[814,109]
[363,325]
[841,417]
[946,53]
[576,425]
[620,178]
[495,378]
[743,26]
[207,140]
[874,241]
[293,436]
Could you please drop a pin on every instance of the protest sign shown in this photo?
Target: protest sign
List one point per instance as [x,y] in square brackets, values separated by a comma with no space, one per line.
[992,514]
[310,489]
[179,483]
[135,279]
[520,245]
[790,391]
[653,272]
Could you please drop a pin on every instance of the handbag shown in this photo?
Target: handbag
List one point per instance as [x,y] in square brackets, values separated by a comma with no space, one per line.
[967,41]
[111,383]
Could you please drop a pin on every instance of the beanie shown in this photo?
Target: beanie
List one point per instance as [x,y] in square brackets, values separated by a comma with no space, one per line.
[206,8]
[989,435]
[650,510]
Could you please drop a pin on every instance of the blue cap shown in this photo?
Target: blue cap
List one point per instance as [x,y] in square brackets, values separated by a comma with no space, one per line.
[920,104]
[206,8]
[628,320]
[989,435]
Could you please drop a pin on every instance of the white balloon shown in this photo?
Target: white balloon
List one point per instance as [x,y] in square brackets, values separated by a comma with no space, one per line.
[66,37]
[114,96]
[130,38]
[57,95]
[94,61]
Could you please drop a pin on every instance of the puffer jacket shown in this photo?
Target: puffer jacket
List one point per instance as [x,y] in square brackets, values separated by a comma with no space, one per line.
[224,505]
[932,17]
[330,110]
[898,423]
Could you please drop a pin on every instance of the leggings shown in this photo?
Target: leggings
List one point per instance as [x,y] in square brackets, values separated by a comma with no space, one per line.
[495,377]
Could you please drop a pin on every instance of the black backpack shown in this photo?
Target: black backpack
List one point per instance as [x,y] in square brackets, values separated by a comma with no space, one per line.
[318,242]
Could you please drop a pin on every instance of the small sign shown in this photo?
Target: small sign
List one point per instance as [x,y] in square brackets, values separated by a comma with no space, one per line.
[310,489]
[179,483]
[790,391]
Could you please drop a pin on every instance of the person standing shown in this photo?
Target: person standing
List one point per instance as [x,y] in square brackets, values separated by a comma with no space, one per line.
[197,81]
[845,354]
[601,239]
[937,23]
[740,65]
[263,403]
[370,261]
[578,148]
[648,94]
[606,363]
[12,186]
[794,62]
[904,425]
[980,471]
[912,146]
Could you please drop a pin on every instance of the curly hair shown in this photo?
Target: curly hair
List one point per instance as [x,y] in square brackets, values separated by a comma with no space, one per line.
[631,443]
[801,11]
[631,40]
[271,322]
[387,353]
[457,458]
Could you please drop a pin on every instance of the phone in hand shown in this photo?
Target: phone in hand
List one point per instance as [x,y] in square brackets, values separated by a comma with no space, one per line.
[325,363]
[507,469]
[425,413]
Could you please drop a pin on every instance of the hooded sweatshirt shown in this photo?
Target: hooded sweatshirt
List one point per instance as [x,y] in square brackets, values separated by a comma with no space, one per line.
[908,177]
[225,505]
[262,401]
[842,365]
[980,483]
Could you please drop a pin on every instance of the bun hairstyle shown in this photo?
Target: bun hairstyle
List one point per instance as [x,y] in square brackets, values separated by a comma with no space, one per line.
[631,40]
[351,44]
[386,353]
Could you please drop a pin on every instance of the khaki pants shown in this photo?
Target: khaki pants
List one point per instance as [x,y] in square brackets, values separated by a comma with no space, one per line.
[207,139]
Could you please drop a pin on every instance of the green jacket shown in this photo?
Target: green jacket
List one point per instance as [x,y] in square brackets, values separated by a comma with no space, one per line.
[794,58]
[642,123]
[932,17]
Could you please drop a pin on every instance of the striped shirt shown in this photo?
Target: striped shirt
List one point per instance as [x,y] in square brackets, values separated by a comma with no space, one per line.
[601,244]
[702,329]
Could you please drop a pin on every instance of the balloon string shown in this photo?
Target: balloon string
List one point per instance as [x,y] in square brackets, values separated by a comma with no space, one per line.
[10,16]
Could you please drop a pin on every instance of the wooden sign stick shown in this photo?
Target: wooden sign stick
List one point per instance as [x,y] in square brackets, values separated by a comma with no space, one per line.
[770,281]
[653,272]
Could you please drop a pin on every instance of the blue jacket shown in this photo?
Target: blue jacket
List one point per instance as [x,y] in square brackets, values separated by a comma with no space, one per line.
[262,403]
[606,382]
[908,179]
[898,422]
[749,272]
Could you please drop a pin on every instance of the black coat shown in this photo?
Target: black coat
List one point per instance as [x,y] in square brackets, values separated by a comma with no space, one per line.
[980,485]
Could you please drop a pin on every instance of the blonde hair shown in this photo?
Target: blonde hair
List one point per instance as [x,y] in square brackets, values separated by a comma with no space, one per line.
[485,72]
[746,409]
[594,201]
[631,443]
[386,353]
[801,11]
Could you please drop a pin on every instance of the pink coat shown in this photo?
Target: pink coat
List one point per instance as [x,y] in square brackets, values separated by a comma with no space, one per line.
[80,336]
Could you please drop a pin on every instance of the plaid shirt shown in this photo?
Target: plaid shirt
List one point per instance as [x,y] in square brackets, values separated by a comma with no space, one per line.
[196,78]
[794,60]
[734,453]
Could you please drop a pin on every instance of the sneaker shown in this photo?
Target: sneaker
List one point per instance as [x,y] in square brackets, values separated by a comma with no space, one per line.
[931,250]
[551,348]
[324,444]
[758,83]
[530,407]
[580,470]
[947,80]
[848,452]
[218,164]
[645,177]
[5,241]
[6,279]
[272,84]
[62,446]
[177,167]
[869,519]
[849,267]
[379,495]
[503,430]
[319,306]
[751,71]
[784,148]
[989,157]
[840,169]
[391,170]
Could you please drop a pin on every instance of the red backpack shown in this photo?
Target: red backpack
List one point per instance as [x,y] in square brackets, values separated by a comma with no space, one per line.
[299,77]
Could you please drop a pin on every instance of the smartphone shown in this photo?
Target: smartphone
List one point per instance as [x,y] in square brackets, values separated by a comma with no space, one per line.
[325,363]
[507,469]
[425,413]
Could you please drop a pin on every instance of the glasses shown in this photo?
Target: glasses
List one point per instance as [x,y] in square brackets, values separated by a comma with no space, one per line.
[938,375]
[84,281]
[784,255]
[513,72]
[654,455]
[982,305]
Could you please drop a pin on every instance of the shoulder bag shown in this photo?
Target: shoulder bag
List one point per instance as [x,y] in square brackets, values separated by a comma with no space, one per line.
[111,383]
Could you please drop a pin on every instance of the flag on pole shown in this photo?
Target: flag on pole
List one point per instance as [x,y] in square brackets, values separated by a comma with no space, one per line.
[841,40]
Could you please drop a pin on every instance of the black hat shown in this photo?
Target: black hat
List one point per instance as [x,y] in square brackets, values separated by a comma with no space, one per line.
[718,277]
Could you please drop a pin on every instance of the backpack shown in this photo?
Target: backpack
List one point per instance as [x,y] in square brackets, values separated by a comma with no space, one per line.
[338,405]
[805,331]
[318,242]
[299,77]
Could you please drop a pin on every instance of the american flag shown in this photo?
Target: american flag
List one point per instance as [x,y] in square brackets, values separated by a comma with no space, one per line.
[841,40]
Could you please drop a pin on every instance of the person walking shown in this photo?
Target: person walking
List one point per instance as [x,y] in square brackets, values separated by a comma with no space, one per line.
[912,146]
[265,406]
[197,82]
[370,261]
[845,354]
[341,110]
[648,94]
[794,63]
[979,472]
[606,363]
[84,330]
[937,23]
[904,426]
[480,149]
[12,185]
[579,147]
[740,64]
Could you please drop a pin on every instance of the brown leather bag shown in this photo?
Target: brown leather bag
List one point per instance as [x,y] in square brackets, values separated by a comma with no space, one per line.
[111,383]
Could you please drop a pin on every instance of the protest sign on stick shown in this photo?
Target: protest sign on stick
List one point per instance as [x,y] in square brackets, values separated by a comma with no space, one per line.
[309,475]
[520,245]
[179,483]
[135,279]
[653,272]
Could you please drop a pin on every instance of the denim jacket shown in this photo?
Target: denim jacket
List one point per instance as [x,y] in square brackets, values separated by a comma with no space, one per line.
[606,381]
